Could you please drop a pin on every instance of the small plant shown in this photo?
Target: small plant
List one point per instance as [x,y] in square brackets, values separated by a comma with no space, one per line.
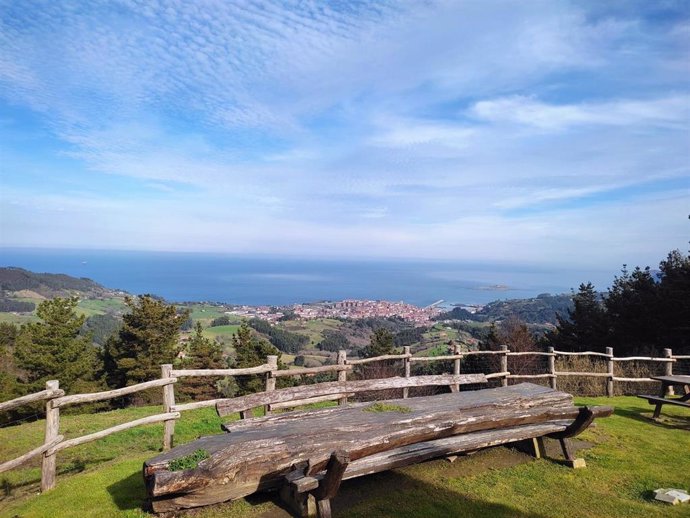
[387,407]
[190,461]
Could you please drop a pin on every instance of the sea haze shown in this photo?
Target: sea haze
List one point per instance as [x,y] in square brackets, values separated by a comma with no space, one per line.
[276,281]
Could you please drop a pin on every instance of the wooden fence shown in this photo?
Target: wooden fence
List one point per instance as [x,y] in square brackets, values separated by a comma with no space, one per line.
[55,398]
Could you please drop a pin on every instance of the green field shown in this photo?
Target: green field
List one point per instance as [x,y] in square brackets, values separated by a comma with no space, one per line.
[312,328]
[212,332]
[90,307]
[204,313]
[630,456]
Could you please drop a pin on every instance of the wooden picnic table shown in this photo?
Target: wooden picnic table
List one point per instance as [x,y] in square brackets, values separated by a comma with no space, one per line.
[293,449]
[663,399]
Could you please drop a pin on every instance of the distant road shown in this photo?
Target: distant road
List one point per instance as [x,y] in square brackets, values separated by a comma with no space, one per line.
[435,304]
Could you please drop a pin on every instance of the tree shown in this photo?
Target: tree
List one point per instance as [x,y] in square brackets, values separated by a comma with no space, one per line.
[10,374]
[632,307]
[202,353]
[148,338]
[381,344]
[250,351]
[586,327]
[674,301]
[55,349]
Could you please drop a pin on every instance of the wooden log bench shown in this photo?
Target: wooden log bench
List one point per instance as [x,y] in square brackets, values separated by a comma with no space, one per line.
[306,454]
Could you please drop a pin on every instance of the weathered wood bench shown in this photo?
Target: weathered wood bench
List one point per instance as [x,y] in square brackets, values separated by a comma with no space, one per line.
[661,401]
[306,454]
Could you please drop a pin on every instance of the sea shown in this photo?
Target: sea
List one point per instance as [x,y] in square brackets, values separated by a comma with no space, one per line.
[264,280]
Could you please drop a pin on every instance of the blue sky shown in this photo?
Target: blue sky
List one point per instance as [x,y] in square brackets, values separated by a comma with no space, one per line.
[538,132]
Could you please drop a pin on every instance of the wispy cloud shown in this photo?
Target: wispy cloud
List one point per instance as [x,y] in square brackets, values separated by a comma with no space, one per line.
[385,128]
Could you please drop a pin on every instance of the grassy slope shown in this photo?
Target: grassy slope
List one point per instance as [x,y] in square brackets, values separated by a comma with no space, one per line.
[631,456]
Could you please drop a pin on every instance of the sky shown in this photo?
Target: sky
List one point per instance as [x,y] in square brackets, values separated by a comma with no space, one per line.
[537,132]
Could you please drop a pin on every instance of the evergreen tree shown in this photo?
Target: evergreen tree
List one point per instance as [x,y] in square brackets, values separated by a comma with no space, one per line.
[632,306]
[202,353]
[10,375]
[250,351]
[54,348]
[148,337]
[674,302]
[586,328]
[381,344]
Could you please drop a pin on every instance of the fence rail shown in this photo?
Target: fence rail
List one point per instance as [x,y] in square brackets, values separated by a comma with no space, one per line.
[55,397]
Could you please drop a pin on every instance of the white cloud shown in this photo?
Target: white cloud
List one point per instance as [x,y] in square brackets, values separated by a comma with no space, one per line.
[667,112]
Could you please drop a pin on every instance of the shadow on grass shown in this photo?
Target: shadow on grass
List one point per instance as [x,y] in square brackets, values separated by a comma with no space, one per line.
[129,493]
[672,422]
[397,494]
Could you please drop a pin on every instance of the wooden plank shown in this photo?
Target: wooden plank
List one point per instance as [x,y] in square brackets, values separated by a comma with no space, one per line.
[643,358]
[377,359]
[229,406]
[660,400]
[531,353]
[633,380]
[31,398]
[497,375]
[420,452]
[307,371]
[585,353]
[181,407]
[11,464]
[446,357]
[573,373]
[110,394]
[261,369]
[114,429]
[529,376]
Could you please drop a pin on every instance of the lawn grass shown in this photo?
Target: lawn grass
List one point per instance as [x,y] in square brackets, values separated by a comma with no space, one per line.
[630,457]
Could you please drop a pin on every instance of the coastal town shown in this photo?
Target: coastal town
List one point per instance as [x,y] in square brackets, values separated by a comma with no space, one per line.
[343,309]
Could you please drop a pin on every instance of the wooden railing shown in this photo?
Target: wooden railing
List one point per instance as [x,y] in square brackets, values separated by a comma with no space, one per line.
[55,398]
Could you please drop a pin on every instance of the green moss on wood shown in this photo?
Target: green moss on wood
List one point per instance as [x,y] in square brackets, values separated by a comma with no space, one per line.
[387,407]
[190,461]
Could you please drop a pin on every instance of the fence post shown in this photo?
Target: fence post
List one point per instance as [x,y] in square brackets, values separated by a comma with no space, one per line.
[668,370]
[270,379]
[456,366]
[609,380]
[342,375]
[407,363]
[168,404]
[552,367]
[52,431]
[504,365]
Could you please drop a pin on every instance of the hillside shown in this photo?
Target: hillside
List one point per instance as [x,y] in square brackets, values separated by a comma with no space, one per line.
[542,309]
[47,285]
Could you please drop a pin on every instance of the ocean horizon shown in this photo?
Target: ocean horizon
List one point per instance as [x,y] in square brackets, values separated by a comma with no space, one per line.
[235,279]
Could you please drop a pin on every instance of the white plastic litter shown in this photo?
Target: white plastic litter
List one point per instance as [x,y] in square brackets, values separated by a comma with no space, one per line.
[672,496]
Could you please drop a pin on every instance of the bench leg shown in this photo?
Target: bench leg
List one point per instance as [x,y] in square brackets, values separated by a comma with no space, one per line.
[570,459]
[657,411]
[301,505]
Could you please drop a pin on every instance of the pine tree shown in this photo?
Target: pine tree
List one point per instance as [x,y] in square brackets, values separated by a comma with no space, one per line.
[148,338]
[55,349]
[381,344]
[587,326]
[202,353]
[250,351]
